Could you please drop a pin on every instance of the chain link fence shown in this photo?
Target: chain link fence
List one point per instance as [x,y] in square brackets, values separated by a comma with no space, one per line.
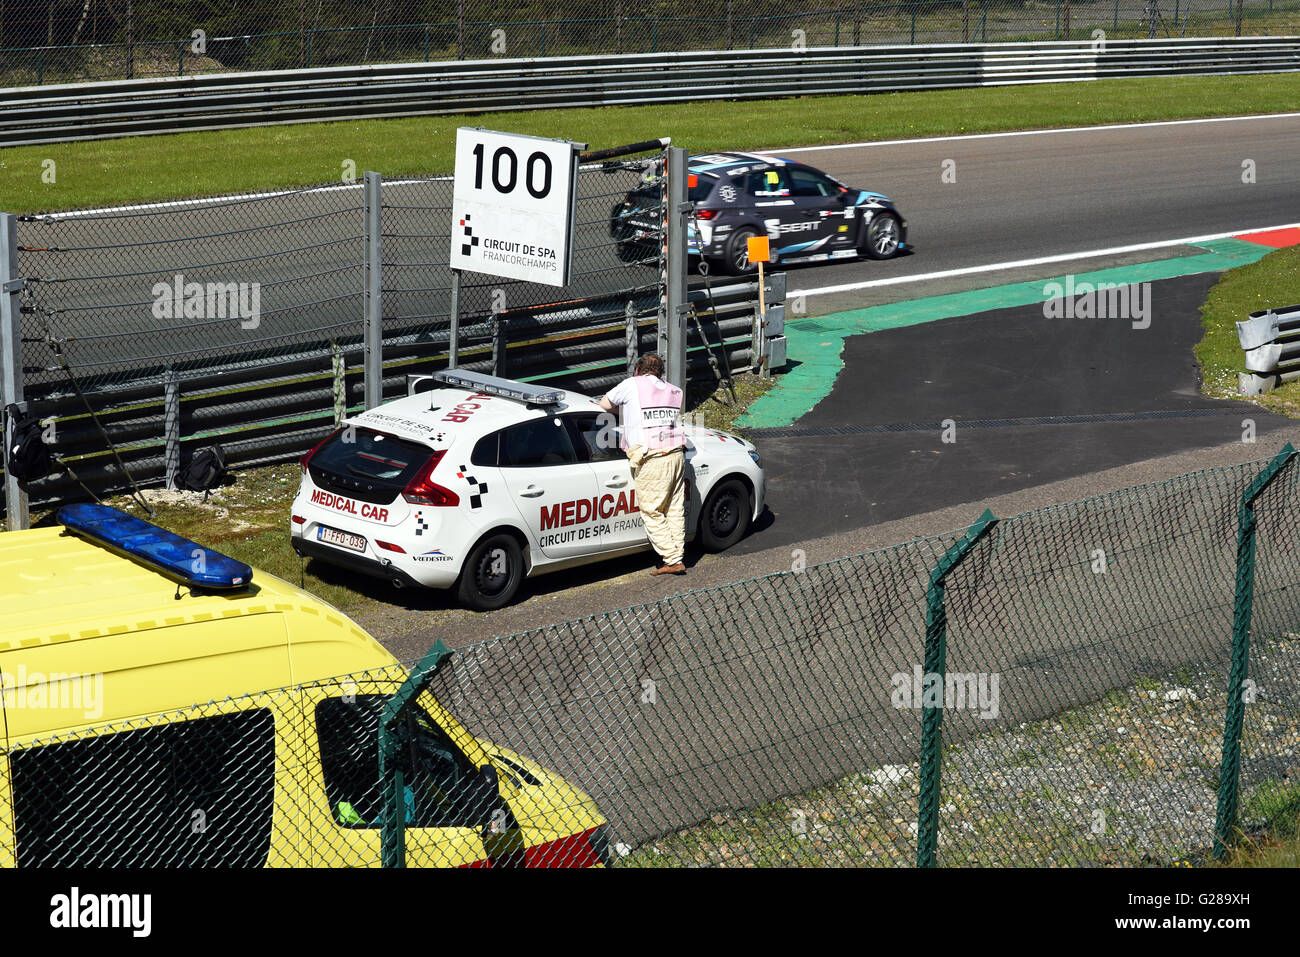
[1057,688]
[149,331]
[57,41]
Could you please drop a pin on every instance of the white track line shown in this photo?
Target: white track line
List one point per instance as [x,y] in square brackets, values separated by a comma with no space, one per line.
[992,136]
[1038,261]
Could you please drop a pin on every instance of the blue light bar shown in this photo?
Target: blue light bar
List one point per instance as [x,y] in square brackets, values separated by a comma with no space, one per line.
[177,558]
[495,385]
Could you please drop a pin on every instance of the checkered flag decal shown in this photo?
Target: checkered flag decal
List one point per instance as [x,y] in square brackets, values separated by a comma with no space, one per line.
[478,489]
[470,240]
[420,524]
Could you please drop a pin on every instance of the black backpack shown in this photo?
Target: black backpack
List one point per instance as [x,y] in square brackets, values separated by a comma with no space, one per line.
[205,471]
[28,457]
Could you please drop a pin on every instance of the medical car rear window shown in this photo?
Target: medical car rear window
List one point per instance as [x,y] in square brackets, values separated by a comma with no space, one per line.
[367,465]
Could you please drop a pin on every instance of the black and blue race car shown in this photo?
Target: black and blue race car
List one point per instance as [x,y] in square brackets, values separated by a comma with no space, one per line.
[807,215]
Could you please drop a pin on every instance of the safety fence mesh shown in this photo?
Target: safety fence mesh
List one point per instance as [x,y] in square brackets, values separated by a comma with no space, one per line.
[69,40]
[241,319]
[773,721]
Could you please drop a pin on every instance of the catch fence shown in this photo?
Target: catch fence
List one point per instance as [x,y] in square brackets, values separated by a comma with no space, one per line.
[146,332]
[1110,682]
[75,40]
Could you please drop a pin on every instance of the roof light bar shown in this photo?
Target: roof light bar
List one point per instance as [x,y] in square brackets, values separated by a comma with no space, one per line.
[177,558]
[494,385]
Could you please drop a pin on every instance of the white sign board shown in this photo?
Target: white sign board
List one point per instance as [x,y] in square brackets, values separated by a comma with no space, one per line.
[513,206]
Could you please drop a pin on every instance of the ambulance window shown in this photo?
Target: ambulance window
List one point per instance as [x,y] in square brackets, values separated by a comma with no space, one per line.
[442,788]
[537,442]
[193,793]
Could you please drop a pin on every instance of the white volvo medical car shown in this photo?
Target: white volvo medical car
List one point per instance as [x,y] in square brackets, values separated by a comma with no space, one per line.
[482,481]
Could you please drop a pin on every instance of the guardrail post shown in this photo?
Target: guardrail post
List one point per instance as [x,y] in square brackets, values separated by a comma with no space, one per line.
[11,362]
[632,339]
[453,330]
[392,839]
[339,367]
[373,337]
[171,428]
[932,685]
[1225,823]
[498,345]
[672,319]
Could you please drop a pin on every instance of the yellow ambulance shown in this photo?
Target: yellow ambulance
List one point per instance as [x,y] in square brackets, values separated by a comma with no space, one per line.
[113,629]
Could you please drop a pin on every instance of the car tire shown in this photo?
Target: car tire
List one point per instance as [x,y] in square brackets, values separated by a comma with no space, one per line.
[884,234]
[724,520]
[736,262]
[492,573]
[627,247]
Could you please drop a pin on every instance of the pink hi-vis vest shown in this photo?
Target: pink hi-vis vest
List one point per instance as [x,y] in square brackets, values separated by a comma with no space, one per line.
[661,413]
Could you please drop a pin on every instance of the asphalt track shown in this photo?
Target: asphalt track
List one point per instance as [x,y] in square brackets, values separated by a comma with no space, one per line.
[1113,394]
[1055,192]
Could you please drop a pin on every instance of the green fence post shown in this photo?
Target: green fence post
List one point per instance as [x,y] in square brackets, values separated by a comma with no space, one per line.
[1115,25]
[1225,822]
[393,821]
[936,653]
[180,60]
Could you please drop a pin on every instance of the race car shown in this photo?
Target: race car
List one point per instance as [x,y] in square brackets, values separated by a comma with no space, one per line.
[807,215]
[480,482]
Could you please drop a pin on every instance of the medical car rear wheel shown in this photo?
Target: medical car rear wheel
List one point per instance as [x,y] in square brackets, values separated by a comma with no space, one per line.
[725,517]
[492,573]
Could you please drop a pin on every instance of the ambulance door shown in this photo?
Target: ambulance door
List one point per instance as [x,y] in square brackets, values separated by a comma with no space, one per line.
[445,820]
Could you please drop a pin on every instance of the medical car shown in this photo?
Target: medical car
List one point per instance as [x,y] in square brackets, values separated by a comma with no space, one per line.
[480,482]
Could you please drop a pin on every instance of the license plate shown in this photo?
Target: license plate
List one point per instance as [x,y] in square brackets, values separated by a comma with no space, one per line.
[342,539]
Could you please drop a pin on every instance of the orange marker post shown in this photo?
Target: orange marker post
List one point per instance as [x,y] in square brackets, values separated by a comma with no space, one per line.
[760,252]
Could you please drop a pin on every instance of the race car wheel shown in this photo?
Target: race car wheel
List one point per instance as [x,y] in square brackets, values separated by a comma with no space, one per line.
[883,236]
[492,573]
[724,520]
[627,246]
[737,262]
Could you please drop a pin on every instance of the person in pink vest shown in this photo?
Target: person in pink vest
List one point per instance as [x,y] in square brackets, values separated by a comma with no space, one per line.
[650,411]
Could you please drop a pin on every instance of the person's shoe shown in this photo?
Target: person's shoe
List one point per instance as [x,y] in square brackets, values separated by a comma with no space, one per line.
[677,569]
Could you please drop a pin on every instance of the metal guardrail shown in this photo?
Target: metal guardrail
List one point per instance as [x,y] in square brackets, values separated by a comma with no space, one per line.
[1271,341]
[584,346]
[52,114]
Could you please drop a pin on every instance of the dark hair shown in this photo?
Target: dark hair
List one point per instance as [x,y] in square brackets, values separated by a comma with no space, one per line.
[650,365]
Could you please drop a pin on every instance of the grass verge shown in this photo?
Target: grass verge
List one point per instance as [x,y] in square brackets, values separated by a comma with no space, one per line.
[140,169]
[1273,281]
